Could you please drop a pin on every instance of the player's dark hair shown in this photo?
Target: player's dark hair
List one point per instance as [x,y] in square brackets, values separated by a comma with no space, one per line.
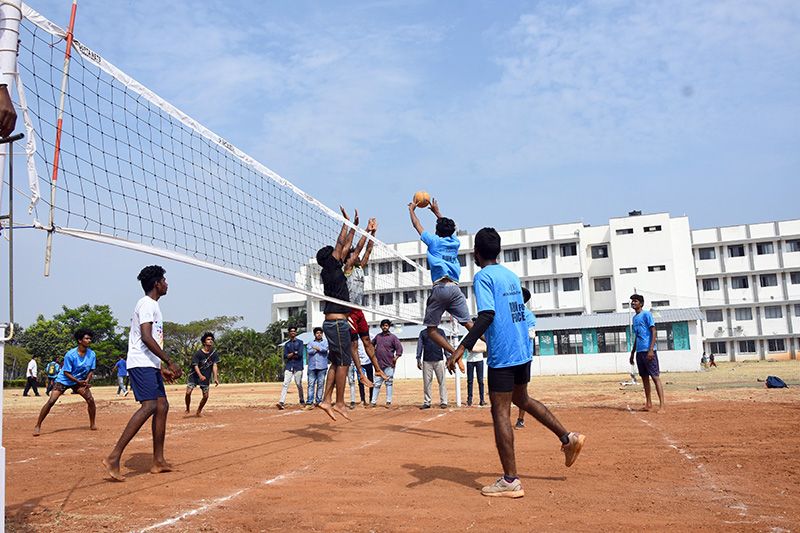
[445,226]
[323,254]
[206,335]
[487,243]
[292,328]
[526,294]
[149,276]
[638,297]
[386,321]
[317,330]
[82,332]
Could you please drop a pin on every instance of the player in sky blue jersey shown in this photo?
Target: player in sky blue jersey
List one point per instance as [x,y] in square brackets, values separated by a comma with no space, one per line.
[501,317]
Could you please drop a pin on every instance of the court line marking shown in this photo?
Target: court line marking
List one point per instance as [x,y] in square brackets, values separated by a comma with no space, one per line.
[280,477]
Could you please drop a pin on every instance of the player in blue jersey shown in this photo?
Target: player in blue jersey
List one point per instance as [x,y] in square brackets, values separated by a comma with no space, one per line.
[501,317]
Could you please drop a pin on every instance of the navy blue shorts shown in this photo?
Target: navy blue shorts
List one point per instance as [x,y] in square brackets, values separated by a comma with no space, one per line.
[147,383]
[647,368]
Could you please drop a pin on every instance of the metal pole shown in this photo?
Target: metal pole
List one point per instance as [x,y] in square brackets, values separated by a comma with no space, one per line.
[57,150]
[10,218]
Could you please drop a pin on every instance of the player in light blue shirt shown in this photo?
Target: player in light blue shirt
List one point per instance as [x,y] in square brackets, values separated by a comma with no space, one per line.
[644,350]
[75,374]
[445,272]
[501,317]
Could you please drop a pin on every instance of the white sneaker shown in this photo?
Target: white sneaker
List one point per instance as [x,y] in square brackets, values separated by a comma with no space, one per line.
[503,489]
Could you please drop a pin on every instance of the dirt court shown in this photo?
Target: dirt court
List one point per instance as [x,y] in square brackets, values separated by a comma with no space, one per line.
[724,456]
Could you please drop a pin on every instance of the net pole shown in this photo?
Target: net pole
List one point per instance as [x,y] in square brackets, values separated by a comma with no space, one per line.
[57,150]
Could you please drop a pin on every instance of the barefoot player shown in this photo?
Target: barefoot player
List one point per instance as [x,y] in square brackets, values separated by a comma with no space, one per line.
[354,272]
[501,316]
[644,349]
[76,374]
[204,370]
[145,355]
[336,326]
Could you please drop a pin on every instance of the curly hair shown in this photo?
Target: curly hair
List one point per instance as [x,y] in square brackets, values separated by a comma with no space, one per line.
[206,335]
[149,276]
[82,332]
[445,226]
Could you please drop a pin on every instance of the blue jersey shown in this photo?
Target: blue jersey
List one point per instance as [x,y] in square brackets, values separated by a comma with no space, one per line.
[76,365]
[498,289]
[530,318]
[642,321]
[442,256]
[122,368]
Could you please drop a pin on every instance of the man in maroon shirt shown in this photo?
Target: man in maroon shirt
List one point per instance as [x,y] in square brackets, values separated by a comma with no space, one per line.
[387,350]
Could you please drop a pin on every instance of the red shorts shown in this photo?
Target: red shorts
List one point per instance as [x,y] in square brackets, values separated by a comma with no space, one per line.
[358,324]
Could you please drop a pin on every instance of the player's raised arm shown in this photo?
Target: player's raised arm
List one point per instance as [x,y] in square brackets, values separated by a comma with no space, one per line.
[435,208]
[412,210]
[372,229]
[345,238]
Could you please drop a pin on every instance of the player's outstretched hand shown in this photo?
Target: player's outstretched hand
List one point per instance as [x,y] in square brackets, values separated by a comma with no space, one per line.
[344,213]
[372,225]
[455,359]
[355,218]
[412,206]
[8,115]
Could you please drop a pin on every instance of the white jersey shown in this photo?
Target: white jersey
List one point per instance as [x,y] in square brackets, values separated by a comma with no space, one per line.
[139,355]
[33,369]
[363,358]
[355,285]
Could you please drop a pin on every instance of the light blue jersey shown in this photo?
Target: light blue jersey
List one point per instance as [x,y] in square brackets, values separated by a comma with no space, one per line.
[498,289]
[76,365]
[442,256]
[530,318]
[642,321]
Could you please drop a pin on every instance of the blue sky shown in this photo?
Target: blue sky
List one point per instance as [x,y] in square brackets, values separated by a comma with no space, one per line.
[511,113]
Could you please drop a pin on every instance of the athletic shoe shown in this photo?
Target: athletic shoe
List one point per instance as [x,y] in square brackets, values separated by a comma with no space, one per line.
[425,406]
[520,424]
[127,391]
[482,404]
[352,405]
[503,489]
[442,406]
[388,404]
[572,449]
[309,407]
[469,403]
[281,406]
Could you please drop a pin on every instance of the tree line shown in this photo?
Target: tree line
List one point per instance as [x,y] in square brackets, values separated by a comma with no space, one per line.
[246,355]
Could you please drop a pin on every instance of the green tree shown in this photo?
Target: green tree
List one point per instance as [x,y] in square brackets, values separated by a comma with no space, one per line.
[46,339]
[247,355]
[181,341]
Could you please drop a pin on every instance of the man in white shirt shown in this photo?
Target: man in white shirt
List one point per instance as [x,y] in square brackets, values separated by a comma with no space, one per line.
[145,355]
[32,375]
[10,16]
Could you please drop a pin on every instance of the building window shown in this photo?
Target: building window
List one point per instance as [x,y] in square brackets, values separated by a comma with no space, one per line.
[768,280]
[626,305]
[541,286]
[656,268]
[747,346]
[744,313]
[707,253]
[630,270]
[386,298]
[602,284]
[321,306]
[571,284]
[569,342]
[796,309]
[793,246]
[659,303]
[664,336]
[538,252]
[625,231]
[511,256]
[765,248]
[794,277]
[739,282]
[568,249]
[385,268]
[462,260]
[773,311]
[711,284]
[736,250]
[600,252]
[718,347]
[409,297]
[714,315]
[776,345]
[408,267]
[611,340]
[464,291]
[651,229]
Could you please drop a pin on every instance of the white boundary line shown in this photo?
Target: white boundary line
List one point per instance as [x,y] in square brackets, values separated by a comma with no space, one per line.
[280,477]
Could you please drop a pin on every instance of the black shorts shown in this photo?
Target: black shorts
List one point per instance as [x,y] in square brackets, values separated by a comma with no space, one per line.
[60,387]
[504,379]
[338,334]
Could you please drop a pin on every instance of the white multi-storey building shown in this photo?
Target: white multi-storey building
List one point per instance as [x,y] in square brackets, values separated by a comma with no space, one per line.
[748,280]
[576,269]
